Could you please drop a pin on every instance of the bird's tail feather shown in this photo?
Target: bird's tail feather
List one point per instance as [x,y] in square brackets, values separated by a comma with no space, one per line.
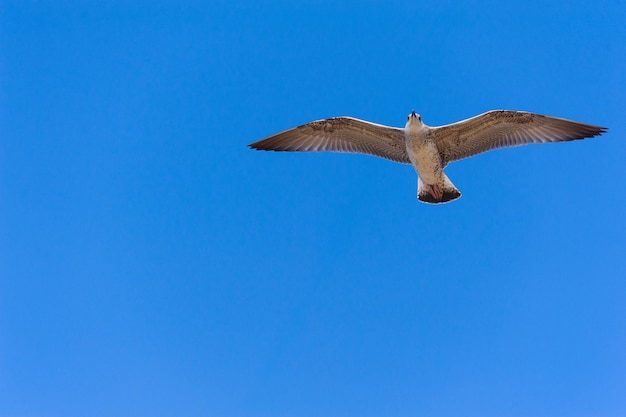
[440,193]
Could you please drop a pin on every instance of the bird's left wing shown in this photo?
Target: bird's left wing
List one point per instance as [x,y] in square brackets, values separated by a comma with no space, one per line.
[504,128]
[340,134]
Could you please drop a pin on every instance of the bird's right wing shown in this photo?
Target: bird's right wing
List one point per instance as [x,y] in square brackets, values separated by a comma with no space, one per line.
[340,134]
[503,128]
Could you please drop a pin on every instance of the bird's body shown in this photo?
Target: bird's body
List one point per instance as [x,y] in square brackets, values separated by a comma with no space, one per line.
[424,155]
[429,149]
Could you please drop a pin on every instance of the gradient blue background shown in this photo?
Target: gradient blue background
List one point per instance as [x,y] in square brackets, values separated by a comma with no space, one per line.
[152,265]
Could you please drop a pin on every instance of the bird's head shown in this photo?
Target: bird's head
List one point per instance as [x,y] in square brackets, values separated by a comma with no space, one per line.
[413,120]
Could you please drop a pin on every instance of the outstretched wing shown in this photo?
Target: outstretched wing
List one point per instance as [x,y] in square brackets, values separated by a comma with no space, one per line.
[340,134]
[504,128]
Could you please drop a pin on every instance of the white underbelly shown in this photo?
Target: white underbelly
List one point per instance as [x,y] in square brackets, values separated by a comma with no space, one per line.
[426,161]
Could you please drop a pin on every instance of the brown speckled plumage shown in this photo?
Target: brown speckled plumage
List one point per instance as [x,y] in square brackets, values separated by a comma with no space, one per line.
[505,128]
[419,144]
[340,134]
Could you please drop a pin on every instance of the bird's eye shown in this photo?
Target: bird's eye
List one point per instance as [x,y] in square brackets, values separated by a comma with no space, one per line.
[407,118]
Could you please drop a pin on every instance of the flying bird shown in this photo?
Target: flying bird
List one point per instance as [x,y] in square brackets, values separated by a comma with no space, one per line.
[429,148]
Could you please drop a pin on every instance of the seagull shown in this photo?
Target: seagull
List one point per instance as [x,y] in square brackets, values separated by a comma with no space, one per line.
[429,148]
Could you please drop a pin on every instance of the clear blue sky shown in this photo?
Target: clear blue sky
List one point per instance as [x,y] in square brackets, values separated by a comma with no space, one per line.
[152,265]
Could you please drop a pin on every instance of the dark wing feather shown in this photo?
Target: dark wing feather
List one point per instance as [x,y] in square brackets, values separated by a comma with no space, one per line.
[340,134]
[504,128]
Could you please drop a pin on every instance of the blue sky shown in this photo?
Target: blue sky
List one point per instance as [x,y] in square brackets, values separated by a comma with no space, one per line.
[152,265]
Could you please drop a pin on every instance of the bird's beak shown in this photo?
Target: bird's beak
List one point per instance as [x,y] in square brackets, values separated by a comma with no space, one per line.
[413,113]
